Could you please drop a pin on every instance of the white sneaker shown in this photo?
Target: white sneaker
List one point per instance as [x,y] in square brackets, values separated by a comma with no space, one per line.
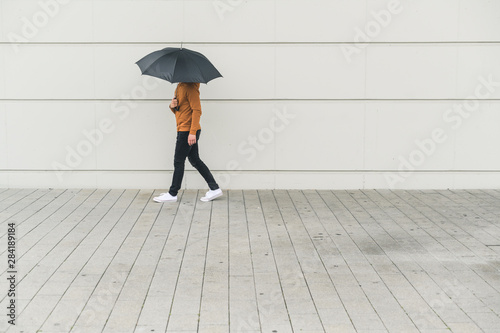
[211,195]
[165,197]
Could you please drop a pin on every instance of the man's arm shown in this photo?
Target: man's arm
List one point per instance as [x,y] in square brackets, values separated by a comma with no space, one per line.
[193,95]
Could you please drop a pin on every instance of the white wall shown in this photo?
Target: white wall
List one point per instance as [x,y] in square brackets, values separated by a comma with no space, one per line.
[349,114]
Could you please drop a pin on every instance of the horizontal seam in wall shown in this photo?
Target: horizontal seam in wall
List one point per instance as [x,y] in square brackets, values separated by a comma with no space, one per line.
[248,43]
[262,171]
[247,99]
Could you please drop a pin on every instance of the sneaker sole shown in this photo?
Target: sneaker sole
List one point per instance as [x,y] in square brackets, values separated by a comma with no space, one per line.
[206,200]
[160,201]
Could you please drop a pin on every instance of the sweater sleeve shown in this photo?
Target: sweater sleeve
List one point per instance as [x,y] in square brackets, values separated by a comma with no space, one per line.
[175,94]
[193,96]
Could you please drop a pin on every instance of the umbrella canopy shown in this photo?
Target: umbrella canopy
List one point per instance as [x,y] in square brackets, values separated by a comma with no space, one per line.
[178,65]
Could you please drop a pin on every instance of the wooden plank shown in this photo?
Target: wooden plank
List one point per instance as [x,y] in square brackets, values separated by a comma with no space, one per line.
[185,311]
[7,192]
[32,281]
[38,222]
[102,277]
[143,248]
[25,203]
[15,195]
[284,228]
[214,314]
[469,230]
[70,255]
[477,213]
[321,228]
[401,231]
[256,261]
[243,308]
[368,239]
[168,269]
[447,276]
[271,305]
[157,305]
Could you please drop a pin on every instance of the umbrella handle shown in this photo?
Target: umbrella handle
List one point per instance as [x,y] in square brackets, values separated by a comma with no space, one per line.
[177,107]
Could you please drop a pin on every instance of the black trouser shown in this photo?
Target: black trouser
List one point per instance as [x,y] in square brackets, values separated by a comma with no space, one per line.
[183,150]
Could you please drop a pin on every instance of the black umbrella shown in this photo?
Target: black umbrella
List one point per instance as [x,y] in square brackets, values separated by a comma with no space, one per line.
[178,65]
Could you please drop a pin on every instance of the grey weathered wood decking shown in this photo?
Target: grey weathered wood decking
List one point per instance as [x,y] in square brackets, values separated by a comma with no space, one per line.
[254,261]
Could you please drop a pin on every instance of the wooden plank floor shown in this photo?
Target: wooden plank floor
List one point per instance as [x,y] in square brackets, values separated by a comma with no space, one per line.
[114,261]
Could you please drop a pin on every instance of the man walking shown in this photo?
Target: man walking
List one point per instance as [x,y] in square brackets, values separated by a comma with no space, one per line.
[186,106]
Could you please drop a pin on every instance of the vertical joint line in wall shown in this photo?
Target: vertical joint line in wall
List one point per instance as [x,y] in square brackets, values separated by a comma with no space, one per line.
[454,137]
[365,95]
[93,19]
[459,8]
[96,126]
[275,110]
[6,136]
[274,80]
[275,95]
[274,48]
[95,89]
[3,60]
[457,50]
[95,81]
[275,19]
[183,21]
[365,53]
[3,65]
[93,46]
[364,144]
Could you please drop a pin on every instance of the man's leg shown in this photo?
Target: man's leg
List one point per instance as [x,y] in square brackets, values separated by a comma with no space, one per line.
[197,163]
[182,149]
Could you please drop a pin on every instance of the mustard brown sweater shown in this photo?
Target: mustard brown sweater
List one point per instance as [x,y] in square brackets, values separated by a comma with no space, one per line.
[188,99]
